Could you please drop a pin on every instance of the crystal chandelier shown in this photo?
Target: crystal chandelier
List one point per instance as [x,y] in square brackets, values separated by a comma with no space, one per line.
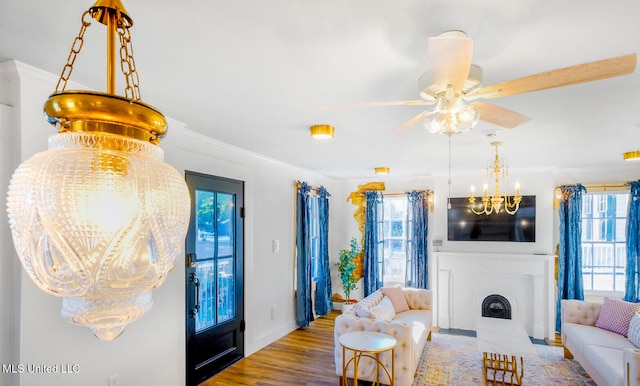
[99,219]
[497,168]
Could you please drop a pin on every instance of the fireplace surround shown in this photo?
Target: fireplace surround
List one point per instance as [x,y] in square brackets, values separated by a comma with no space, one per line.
[524,282]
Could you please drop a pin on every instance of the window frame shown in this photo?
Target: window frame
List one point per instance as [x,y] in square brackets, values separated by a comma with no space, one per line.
[595,222]
[385,238]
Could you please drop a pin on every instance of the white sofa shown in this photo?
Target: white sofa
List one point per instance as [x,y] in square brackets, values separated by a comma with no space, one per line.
[411,329]
[609,358]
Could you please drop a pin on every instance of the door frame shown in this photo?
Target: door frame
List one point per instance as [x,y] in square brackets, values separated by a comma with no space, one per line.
[196,372]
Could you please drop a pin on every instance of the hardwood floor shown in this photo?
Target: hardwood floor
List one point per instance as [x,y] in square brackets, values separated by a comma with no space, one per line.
[303,357]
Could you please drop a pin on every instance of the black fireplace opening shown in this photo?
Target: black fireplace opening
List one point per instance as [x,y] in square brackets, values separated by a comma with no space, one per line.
[496,306]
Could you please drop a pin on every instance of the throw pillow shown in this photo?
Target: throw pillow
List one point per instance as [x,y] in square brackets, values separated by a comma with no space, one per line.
[634,330]
[362,311]
[396,295]
[384,310]
[615,315]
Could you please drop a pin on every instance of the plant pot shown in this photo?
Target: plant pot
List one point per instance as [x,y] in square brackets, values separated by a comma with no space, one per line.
[346,306]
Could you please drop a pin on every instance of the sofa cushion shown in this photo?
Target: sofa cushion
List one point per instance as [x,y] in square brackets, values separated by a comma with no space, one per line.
[384,310]
[606,361]
[615,315]
[396,295]
[579,335]
[634,330]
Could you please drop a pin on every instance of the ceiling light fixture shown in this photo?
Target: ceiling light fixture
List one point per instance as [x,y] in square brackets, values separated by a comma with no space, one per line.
[322,131]
[497,167]
[382,170]
[632,155]
[99,219]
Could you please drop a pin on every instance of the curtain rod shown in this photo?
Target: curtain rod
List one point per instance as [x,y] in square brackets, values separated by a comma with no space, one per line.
[605,186]
[402,193]
[313,189]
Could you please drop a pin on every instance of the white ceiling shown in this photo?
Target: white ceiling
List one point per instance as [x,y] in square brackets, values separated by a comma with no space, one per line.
[252,74]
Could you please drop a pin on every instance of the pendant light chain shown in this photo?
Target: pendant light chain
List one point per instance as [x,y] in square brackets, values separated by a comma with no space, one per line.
[78,42]
[127,64]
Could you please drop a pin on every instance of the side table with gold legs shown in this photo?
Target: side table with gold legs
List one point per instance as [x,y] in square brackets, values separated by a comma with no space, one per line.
[368,344]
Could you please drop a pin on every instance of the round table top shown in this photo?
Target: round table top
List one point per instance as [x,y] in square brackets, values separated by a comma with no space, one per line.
[368,341]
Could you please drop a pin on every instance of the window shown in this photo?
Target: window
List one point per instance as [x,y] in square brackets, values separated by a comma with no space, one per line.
[394,239]
[604,254]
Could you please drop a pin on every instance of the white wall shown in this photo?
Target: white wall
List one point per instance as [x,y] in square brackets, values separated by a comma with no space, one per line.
[9,266]
[152,350]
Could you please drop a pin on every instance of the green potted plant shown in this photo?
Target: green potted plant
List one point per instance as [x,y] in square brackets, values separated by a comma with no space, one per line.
[347,268]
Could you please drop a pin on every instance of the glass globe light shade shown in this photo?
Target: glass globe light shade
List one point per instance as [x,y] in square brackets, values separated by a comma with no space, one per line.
[99,220]
[467,118]
[468,114]
[434,121]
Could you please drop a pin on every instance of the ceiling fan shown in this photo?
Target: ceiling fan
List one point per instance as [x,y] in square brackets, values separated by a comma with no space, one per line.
[454,86]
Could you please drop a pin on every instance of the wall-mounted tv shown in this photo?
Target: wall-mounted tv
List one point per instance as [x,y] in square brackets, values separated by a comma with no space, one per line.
[464,225]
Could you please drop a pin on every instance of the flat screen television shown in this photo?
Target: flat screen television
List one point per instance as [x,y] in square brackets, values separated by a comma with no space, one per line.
[464,225]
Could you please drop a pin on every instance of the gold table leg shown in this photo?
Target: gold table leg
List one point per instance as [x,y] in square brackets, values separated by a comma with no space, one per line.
[505,365]
[356,362]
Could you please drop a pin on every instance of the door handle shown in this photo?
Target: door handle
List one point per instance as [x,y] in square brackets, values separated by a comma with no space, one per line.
[190,260]
[196,282]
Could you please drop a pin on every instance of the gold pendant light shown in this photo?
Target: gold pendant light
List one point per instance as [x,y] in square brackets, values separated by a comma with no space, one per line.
[99,219]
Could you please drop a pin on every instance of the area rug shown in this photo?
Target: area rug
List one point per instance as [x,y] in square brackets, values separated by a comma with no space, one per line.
[454,360]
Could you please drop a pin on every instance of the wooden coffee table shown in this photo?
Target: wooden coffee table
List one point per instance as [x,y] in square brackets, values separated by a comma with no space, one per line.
[504,343]
[368,344]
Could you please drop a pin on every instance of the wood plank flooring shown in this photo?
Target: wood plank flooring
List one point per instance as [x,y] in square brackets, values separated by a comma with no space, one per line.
[303,357]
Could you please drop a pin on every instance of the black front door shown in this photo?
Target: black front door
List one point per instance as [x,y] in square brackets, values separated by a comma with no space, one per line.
[214,276]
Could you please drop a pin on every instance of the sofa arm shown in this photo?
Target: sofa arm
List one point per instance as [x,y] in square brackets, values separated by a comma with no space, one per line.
[579,312]
[631,366]
[403,332]
[418,299]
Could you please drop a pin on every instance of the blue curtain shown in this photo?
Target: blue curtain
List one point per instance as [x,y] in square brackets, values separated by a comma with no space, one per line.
[372,243]
[632,288]
[323,285]
[417,273]
[570,250]
[303,257]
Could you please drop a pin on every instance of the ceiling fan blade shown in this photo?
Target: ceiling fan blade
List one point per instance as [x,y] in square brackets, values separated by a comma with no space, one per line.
[450,57]
[406,126]
[586,72]
[500,116]
[370,104]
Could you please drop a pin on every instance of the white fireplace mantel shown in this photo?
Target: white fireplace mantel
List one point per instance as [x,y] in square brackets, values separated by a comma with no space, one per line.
[525,280]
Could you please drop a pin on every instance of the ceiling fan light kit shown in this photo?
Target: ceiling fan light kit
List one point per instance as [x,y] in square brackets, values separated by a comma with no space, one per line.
[322,131]
[632,155]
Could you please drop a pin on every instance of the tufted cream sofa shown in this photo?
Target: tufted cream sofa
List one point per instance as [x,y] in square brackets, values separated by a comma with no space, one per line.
[411,329]
[609,358]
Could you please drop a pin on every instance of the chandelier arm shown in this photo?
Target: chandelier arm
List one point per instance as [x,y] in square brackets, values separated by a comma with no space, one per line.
[515,209]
